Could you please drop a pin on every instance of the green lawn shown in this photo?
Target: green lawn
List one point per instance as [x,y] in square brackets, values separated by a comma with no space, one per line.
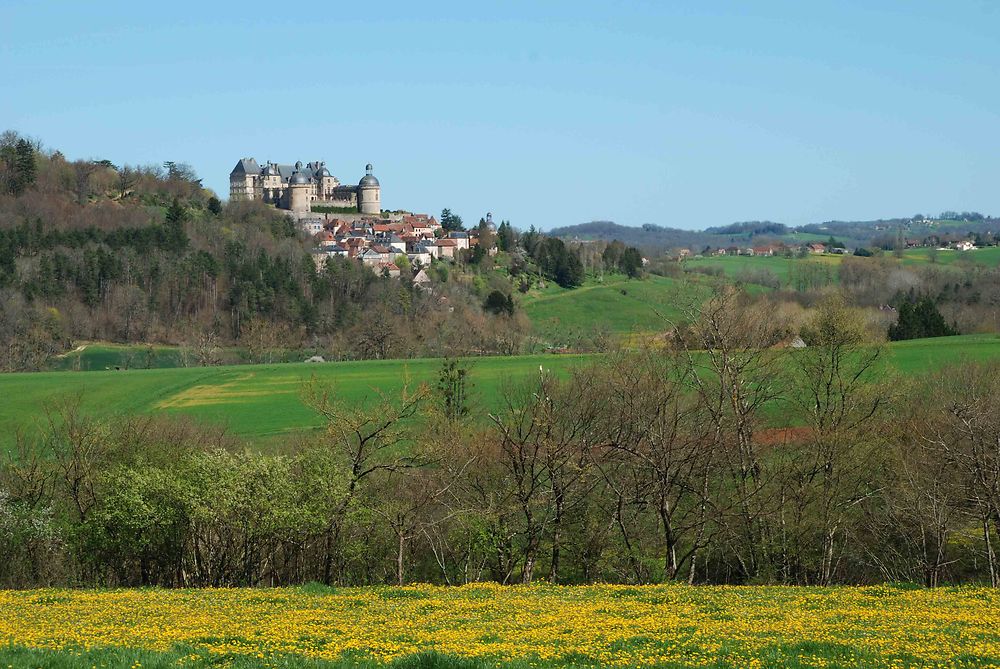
[617,306]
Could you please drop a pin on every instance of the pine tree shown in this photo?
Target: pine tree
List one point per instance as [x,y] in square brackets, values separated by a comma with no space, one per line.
[177,239]
[25,170]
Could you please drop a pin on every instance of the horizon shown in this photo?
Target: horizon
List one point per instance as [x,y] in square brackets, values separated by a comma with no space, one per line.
[551,116]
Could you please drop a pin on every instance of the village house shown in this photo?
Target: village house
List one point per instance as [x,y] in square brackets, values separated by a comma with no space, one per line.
[421,280]
[461,239]
[446,248]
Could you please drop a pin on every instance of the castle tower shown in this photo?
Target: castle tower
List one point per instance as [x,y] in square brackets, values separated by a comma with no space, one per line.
[299,189]
[369,193]
[244,180]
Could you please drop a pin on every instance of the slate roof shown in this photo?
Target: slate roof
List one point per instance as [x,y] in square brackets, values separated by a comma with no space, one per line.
[246,166]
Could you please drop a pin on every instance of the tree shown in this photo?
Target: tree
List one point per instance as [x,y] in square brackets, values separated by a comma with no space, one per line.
[363,440]
[498,302]
[919,318]
[214,205]
[176,217]
[451,222]
[24,166]
[127,178]
[735,373]
[453,390]
[835,394]
[506,240]
[631,262]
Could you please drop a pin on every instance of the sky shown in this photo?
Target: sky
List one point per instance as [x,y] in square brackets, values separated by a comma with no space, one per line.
[546,113]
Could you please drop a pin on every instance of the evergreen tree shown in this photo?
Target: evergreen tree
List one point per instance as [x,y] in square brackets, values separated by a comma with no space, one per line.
[505,237]
[177,239]
[499,303]
[919,318]
[631,262]
[451,222]
[25,170]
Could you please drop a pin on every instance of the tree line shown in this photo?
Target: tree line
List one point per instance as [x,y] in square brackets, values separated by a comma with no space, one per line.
[716,458]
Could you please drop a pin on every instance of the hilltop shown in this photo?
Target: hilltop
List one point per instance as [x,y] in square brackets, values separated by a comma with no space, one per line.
[883,233]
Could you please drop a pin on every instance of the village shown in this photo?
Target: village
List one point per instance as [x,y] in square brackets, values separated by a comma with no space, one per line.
[380,241]
[831,247]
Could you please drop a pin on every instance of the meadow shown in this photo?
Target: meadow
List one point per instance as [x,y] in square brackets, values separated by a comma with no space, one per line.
[734,267]
[259,402]
[985,257]
[614,305]
[486,624]
[253,401]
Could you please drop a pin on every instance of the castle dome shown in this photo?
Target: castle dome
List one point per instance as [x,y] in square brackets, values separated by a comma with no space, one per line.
[368,179]
[270,170]
[298,164]
[323,172]
[298,178]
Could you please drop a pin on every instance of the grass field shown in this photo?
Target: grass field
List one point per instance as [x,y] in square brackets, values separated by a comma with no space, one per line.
[492,625]
[616,306]
[736,267]
[253,401]
[986,257]
[261,401]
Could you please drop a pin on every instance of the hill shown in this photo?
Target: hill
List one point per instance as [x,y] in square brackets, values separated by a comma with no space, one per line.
[609,306]
[885,233]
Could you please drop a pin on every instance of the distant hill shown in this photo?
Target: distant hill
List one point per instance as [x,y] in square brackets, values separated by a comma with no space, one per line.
[881,232]
[648,237]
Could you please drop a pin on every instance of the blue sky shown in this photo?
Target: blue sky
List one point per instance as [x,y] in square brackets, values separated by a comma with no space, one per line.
[545,113]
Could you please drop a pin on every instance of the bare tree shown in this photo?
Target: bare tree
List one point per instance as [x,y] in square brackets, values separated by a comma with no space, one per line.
[364,439]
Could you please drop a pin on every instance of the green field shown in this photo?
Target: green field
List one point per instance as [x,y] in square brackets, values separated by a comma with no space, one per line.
[987,257]
[253,401]
[94,356]
[738,267]
[260,401]
[616,306]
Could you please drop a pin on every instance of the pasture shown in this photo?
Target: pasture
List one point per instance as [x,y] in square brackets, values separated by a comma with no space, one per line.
[984,257]
[616,306]
[252,401]
[259,402]
[784,269]
[489,625]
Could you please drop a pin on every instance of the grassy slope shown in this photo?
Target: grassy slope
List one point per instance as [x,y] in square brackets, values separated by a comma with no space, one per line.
[258,401]
[734,266]
[618,306]
[988,257]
